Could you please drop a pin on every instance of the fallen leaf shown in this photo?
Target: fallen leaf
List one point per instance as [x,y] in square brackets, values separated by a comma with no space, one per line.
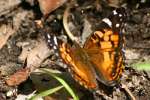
[37,55]
[17,78]
[34,59]
[7,30]
[48,6]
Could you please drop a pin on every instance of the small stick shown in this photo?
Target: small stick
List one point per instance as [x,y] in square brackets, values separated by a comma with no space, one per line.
[128,91]
[65,16]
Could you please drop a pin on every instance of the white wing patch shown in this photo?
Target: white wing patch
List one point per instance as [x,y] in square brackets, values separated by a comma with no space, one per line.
[107,21]
[115,12]
[117,25]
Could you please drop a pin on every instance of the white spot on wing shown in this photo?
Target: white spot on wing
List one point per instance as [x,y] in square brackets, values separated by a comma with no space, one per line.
[51,44]
[54,47]
[117,25]
[48,41]
[114,12]
[107,21]
[120,15]
[48,36]
[55,40]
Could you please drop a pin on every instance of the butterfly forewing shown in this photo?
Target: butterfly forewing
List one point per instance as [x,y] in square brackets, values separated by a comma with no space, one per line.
[107,44]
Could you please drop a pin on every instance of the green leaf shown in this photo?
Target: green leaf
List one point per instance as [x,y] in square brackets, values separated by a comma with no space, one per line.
[47,92]
[67,87]
[142,66]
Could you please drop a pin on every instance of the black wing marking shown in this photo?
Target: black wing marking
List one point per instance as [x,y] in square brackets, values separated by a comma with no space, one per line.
[52,43]
[116,19]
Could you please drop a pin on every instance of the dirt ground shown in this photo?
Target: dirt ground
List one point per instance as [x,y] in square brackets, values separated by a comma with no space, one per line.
[21,41]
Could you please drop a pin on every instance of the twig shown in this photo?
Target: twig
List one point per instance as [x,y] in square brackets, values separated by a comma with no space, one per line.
[128,91]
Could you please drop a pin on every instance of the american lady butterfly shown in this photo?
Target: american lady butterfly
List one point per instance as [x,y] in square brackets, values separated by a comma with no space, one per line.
[101,57]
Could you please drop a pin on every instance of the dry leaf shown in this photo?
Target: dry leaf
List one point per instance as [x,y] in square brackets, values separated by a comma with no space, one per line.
[19,77]
[37,55]
[34,59]
[48,6]
[7,30]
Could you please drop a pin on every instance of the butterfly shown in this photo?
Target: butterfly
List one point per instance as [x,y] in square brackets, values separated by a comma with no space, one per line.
[102,56]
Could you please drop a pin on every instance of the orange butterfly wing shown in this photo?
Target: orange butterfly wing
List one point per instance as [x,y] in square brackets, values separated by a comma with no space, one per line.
[105,52]
[81,67]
